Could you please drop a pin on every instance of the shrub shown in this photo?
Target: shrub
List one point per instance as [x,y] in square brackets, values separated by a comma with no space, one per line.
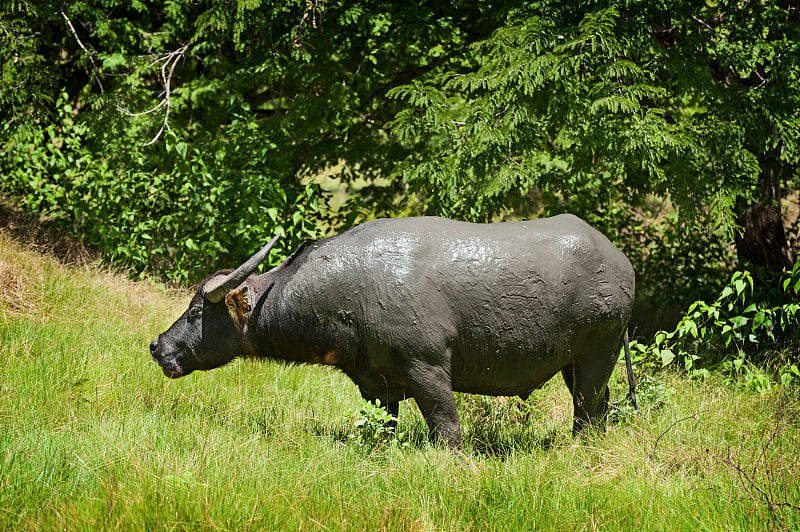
[178,212]
[375,427]
[749,326]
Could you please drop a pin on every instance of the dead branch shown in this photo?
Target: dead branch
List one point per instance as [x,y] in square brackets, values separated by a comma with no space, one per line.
[91,58]
[762,491]
[129,113]
[655,446]
[313,8]
[168,62]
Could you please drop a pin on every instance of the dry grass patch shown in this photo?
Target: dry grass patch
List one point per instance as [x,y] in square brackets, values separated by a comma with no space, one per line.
[20,282]
[29,273]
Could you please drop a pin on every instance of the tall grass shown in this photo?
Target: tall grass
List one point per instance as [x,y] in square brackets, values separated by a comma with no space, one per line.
[92,435]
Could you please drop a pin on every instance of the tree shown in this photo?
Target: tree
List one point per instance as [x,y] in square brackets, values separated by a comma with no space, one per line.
[194,127]
[695,100]
[177,135]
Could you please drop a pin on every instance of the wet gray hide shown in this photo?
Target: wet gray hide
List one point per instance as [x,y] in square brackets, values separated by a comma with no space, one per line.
[435,306]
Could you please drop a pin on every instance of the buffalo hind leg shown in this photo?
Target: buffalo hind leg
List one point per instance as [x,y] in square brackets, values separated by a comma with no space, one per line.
[582,408]
[432,390]
[568,378]
[587,378]
[590,409]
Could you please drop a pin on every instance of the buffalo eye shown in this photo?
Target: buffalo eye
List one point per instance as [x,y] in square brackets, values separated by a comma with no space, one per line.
[195,312]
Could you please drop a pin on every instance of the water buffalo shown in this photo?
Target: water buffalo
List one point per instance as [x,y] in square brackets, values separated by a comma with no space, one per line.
[422,307]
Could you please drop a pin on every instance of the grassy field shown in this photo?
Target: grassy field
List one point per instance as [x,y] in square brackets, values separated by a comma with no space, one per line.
[92,435]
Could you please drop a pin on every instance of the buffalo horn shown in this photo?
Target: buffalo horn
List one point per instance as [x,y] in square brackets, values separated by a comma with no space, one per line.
[219,286]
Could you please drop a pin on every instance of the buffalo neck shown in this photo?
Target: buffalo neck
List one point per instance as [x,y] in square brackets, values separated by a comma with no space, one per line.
[278,329]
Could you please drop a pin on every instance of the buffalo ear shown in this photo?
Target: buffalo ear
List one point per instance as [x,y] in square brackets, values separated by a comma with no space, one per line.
[238,307]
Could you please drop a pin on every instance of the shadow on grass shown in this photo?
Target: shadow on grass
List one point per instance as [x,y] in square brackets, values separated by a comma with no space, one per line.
[497,427]
[44,236]
[498,443]
[479,440]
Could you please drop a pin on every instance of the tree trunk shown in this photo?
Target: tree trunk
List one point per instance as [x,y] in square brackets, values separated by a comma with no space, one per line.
[763,241]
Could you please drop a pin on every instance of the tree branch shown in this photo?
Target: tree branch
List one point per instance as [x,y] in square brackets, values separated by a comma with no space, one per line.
[692,416]
[367,115]
[91,58]
[168,61]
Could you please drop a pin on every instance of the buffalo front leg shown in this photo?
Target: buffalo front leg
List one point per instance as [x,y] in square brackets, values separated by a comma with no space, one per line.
[432,390]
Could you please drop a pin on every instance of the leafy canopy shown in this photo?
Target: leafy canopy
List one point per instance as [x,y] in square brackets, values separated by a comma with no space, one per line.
[647,97]
[178,136]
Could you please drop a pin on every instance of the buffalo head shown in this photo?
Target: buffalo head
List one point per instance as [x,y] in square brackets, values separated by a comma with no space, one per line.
[209,333]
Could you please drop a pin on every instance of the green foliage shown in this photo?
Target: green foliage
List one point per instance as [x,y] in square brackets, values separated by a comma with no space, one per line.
[212,207]
[651,397]
[736,332]
[635,96]
[375,428]
[674,264]
[497,426]
[28,79]
[177,137]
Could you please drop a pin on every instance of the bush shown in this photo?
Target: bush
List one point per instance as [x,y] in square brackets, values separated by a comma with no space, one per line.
[179,212]
[749,326]
[375,427]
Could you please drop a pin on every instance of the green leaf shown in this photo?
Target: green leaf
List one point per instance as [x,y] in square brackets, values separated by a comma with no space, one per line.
[726,292]
[740,286]
[667,356]
[738,322]
[114,61]
[181,148]
[659,338]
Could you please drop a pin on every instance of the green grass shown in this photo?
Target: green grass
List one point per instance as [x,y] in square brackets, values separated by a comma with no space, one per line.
[92,435]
